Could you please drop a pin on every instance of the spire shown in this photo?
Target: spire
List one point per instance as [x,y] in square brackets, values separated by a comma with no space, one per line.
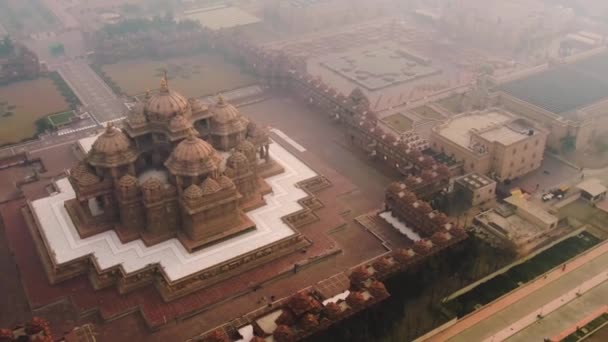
[164,83]
[220,99]
[191,134]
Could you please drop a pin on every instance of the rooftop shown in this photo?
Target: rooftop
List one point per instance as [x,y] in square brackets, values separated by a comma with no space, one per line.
[592,186]
[532,208]
[474,181]
[493,125]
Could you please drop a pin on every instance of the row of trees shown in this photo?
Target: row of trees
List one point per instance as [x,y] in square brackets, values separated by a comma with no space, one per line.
[162,24]
[6,46]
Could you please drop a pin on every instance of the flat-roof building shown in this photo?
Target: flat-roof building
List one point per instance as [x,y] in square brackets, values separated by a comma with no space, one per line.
[493,142]
[475,188]
[592,190]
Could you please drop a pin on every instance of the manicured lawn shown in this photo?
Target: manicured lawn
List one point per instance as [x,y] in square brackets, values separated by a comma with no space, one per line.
[193,76]
[399,122]
[62,118]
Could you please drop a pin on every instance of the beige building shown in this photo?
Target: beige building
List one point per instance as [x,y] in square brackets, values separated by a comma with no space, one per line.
[569,99]
[475,188]
[492,142]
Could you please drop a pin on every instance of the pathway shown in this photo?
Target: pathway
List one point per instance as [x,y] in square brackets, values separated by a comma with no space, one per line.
[93,92]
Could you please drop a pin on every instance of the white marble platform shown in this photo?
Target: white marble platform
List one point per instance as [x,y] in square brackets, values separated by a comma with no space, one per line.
[109,251]
[400,226]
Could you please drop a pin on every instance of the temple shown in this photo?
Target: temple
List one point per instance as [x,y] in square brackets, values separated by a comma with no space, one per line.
[179,170]
[159,179]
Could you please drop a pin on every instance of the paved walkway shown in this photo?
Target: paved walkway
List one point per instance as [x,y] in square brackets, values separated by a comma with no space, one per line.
[93,92]
[510,308]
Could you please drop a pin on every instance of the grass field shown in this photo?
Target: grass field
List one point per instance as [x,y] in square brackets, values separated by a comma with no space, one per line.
[22,103]
[503,283]
[193,76]
[399,122]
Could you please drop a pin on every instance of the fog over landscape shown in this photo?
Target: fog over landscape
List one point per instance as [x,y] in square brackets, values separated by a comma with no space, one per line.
[304,170]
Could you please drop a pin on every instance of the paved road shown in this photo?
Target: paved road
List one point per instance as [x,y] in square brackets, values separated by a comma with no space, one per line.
[97,98]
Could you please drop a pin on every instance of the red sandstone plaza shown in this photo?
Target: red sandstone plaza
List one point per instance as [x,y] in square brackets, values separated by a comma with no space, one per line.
[188,209]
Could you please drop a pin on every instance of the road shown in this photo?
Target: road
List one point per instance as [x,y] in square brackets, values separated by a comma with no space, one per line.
[95,95]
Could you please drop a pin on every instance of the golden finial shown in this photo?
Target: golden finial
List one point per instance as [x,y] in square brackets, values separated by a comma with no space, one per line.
[164,84]
[147,93]
[110,127]
[220,99]
[191,134]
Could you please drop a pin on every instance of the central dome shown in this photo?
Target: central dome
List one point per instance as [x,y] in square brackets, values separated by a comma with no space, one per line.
[193,157]
[166,104]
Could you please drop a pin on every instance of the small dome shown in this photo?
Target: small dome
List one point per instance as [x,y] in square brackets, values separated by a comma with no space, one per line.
[227,119]
[87,179]
[152,184]
[127,181]
[112,148]
[193,192]
[210,186]
[166,104]
[237,161]
[193,157]
[83,175]
[247,148]
[79,169]
[226,183]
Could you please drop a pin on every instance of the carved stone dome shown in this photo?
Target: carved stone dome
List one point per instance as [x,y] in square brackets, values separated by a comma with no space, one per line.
[179,123]
[152,189]
[247,148]
[86,179]
[237,161]
[127,181]
[193,157]
[210,186]
[226,183]
[112,148]
[227,119]
[166,104]
[193,192]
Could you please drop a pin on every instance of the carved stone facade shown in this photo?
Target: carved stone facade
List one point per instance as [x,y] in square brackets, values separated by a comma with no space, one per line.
[159,177]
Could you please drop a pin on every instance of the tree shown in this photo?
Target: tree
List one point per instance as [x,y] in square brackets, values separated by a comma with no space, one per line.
[57,49]
[6,46]
[568,143]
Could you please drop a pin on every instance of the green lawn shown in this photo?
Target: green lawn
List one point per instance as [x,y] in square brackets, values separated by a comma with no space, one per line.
[60,119]
[399,122]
